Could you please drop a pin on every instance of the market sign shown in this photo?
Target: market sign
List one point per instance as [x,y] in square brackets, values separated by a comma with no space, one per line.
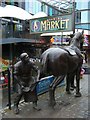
[51,24]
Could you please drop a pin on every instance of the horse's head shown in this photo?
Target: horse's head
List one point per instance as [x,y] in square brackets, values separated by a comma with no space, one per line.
[79,36]
[78,39]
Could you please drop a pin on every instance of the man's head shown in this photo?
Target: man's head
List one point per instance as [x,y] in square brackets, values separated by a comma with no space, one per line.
[24,57]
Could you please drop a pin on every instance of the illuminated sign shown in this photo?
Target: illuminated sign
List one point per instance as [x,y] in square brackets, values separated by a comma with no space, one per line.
[85,40]
[51,24]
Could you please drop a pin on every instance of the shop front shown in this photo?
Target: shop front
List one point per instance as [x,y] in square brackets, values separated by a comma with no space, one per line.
[58,28]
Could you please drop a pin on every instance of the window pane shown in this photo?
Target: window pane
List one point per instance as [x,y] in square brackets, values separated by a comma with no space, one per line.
[82,4]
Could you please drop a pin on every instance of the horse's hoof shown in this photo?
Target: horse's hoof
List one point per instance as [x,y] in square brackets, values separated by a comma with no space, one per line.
[71,88]
[68,92]
[74,87]
[36,108]
[78,95]
[16,110]
[52,104]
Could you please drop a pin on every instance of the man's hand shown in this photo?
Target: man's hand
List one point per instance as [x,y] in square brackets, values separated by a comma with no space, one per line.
[22,87]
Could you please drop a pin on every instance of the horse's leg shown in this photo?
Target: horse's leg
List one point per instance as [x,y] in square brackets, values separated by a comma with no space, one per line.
[52,101]
[51,93]
[68,84]
[72,86]
[78,94]
[52,88]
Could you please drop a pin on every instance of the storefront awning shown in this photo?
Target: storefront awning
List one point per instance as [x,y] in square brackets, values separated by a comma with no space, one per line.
[16,40]
[57,33]
[14,11]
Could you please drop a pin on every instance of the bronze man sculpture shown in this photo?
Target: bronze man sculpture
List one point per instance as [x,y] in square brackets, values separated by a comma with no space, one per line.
[23,78]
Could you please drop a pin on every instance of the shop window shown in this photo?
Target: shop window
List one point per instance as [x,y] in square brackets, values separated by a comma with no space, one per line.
[7,3]
[78,17]
[16,4]
[18,27]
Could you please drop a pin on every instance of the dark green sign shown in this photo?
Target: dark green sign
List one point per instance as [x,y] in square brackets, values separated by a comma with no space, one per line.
[51,24]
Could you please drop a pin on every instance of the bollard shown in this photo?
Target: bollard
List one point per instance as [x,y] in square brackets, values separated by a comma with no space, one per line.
[9,90]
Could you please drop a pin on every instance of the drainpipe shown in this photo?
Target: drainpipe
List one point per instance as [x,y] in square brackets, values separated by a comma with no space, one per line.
[73,15]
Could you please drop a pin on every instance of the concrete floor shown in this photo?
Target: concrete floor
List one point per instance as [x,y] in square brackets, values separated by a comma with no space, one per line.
[67,105]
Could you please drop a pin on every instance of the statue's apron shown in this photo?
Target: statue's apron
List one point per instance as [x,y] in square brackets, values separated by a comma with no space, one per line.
[30,94]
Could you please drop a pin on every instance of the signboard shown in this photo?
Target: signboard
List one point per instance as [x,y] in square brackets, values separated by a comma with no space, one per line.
[60,40]
[86,40]
[44,84]
[51,24]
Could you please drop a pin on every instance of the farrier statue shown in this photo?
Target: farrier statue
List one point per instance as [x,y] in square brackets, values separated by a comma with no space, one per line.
[25,84]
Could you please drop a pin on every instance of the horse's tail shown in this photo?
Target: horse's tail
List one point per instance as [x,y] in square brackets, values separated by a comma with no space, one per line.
[44,62]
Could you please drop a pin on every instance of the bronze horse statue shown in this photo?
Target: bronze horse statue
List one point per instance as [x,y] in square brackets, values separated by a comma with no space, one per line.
[61,62]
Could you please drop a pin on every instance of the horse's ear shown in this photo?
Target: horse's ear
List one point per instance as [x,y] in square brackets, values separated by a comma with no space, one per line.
[81,44]
[82,32]
[71,35]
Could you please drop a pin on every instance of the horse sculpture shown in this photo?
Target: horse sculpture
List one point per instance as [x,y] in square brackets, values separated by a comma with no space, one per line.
[61,62]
